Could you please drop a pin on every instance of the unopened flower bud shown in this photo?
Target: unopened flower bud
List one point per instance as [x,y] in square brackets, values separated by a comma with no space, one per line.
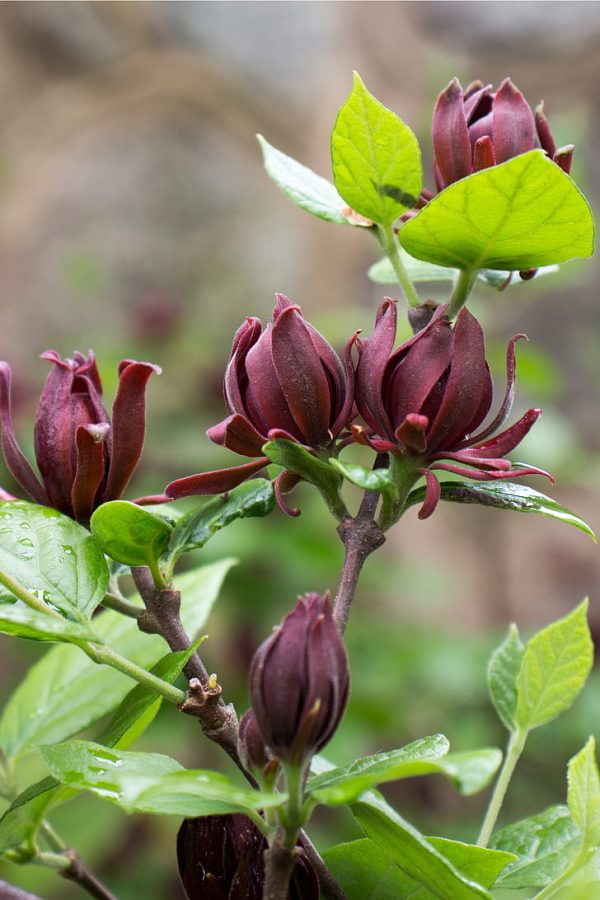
[250,743]
[299,681]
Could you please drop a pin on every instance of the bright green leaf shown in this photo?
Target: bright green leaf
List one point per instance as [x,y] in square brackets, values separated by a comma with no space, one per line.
[382,272]
[66,692]
[129,533]
[545,844]
[149,782]
[21,621]
[302,186]
[478,863]
[253,498]
[584,793]
[412,852]
[502,673]
[505,495]
[554,669]
[376,158]
[53,557]
[427,756]
[518,215]
[294,457]
[368,479]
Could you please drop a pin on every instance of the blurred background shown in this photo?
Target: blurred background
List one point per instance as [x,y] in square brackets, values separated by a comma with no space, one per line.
[135,217]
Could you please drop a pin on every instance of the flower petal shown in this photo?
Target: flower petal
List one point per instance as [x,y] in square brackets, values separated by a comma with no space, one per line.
[301,376]
[433,492]
[218,482]
[90,470]
[17,464]
[374,354]
[507,440]
[128,425]
[543,131]
[412,432]
[483,154]
[478,475]
[513,123]
[283,484]
[237,434]
[235,374]
[451,144]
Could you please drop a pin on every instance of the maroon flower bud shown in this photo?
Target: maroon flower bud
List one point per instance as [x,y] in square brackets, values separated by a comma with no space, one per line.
[83,460]
[283,381]
[427,398]
[222,858]
[479,127]
[250,743]
[299,681]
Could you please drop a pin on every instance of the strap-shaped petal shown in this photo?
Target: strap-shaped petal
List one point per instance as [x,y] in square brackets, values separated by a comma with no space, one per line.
[507,440]
[451,144]
[17,464]
[433,492]
[58,414]
[90,471]
[237,434]
[213,482]
[374,355]
[128,425]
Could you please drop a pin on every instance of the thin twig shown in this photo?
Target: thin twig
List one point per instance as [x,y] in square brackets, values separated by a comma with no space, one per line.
[329,886]
[10,892]
[78,873]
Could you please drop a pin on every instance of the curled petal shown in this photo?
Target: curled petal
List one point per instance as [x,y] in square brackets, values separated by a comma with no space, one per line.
[128,425]
[237,434]
[218,482]
[58,414]
[543,131]
[362,436]
[509,395]
[345,414]
[564,157]
[89,473]
[283,484]
[478,475]
[412,432]
[245,337]
[513,123]
[433,492]
[16,461]
[451,144]
[507,440]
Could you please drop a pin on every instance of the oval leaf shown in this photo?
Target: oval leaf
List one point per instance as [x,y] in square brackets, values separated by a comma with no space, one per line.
[255,498]
[506,495]
[21,621]
[584,793]
[380,480]
[52,556]
[519,215]
[382,272]
[554,669]
[304,187]
[376,158]
[130,534]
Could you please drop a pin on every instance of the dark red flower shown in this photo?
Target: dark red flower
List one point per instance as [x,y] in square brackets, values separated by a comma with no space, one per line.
[283,381]
[222,858]
[299,681]
[83,459]
[428,398]
[251,746]
[480,127]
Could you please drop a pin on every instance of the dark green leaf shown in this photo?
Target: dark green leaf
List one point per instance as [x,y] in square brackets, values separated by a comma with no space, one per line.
[502,673]
[294,457]
[150,782]
[554,669]
[251,499]
[505,495]
[304,187]
[545,844]
[584,793]
[53,557]
[519,215]
[412,852]
[376,158]
[129,533]
[368,479]
[382,272]
[66,692]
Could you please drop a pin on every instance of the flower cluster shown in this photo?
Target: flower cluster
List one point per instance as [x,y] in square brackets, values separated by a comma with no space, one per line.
[83,459]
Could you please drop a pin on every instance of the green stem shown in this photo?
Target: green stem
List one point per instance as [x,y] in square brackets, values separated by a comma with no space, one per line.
[294,785]
[26,596]
[578,863]
[55,842]
[462,288]
[513,752]
[52,861]
[403,469]
[389,243]
[105,656]
[123,606]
